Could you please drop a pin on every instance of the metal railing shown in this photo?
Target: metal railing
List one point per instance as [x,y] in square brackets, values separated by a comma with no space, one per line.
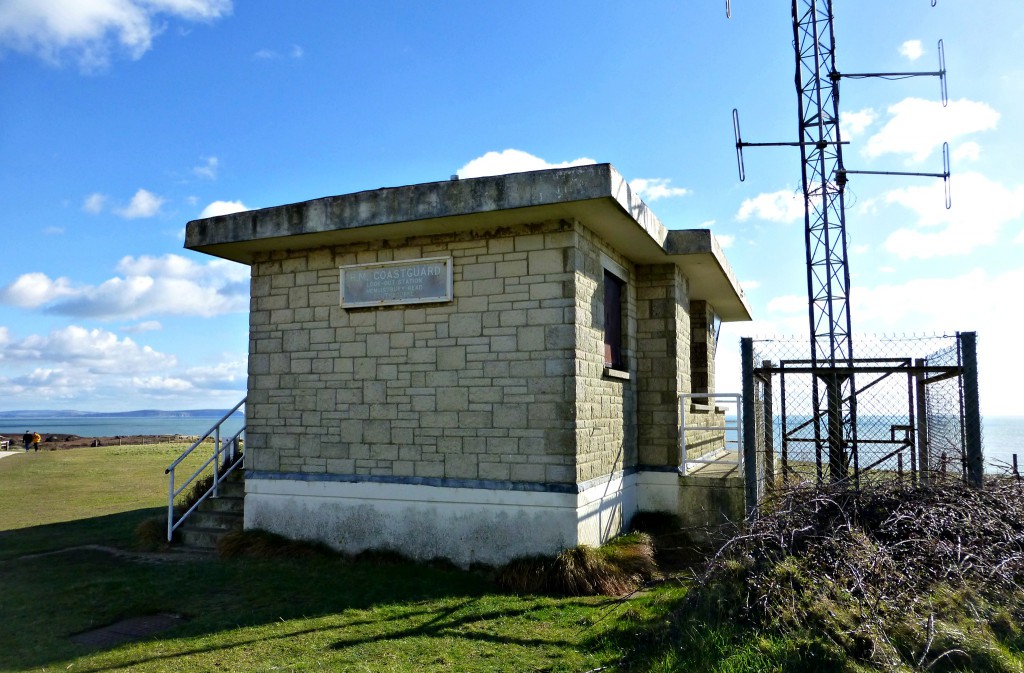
[729,432]
[226,457]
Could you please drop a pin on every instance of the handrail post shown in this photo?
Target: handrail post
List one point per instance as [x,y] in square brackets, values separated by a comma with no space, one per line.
[170,506]
[682,434]
[216,462]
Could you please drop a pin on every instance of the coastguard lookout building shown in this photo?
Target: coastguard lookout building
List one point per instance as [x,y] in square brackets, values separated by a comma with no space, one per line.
[471,369]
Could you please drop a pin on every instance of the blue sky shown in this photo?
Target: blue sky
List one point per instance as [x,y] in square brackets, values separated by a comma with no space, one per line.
[124,119]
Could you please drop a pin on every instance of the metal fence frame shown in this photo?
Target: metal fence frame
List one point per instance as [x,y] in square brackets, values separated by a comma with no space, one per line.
[939,427]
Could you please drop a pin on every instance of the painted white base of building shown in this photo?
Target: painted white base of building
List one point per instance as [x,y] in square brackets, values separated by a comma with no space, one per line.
[464,525]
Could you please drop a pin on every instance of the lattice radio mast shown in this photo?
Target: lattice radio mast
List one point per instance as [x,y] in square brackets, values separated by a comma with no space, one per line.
[824,180]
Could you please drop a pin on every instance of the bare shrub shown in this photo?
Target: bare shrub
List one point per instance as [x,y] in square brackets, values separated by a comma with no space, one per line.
[894,575]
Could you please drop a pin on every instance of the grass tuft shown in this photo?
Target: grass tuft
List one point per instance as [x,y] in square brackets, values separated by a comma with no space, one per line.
[614,569]
[151,534]
[265,545]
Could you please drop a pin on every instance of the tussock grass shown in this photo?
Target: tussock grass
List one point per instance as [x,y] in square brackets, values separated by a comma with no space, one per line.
[262,544]
[614,569]
[151,534]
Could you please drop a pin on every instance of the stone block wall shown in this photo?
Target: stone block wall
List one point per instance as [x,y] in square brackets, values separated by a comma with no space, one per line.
[606,423]
[663,368]
[481,388]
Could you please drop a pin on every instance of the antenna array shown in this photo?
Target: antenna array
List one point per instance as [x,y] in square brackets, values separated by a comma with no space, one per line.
[824,180]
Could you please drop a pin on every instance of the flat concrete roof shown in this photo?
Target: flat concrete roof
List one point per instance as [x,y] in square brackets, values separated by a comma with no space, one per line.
[596,195]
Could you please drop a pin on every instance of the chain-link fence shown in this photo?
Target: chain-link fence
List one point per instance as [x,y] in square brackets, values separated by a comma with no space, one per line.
[903,408]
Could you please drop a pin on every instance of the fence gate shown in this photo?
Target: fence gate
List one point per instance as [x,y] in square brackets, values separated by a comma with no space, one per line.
[912,412]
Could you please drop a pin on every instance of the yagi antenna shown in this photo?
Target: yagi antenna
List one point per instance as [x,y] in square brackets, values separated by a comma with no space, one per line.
[740,144]
[940,73]
[945,174]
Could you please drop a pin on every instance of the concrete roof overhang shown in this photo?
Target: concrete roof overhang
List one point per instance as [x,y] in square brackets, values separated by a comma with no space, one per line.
[595,195]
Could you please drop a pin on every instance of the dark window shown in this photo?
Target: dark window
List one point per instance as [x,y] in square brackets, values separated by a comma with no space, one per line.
[613,290]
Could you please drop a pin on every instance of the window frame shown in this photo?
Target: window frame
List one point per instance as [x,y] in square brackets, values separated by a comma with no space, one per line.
[614,289]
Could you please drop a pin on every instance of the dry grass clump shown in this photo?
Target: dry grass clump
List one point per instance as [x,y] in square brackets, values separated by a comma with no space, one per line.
[614,569]
[151,534]
[897,577]
[266,545]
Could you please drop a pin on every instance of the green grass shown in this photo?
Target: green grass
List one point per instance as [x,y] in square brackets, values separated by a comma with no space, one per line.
[248,614]
[60,499]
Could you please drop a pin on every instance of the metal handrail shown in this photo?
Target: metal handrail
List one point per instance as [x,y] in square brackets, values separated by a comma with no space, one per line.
[724,450]
[225,459]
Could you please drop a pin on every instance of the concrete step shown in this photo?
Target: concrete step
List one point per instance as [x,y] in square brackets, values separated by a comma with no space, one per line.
[232,487]
[223,521]
[200,538]
[216,516]
[223,504]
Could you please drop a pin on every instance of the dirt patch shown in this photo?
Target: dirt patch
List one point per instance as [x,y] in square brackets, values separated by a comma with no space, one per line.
[128,630]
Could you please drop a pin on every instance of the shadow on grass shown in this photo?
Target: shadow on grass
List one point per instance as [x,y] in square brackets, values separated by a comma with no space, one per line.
[56,595]
[115,530]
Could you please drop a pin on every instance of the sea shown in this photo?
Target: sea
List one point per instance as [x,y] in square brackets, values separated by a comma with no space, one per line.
[113,426]
[1002,436]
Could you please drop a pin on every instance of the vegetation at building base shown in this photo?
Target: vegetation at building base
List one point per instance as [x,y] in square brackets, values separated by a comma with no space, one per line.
[615,569]
[894,579]
[891,578]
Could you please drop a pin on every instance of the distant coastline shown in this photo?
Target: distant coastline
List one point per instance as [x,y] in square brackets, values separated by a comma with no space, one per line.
[140,413]
[149,422]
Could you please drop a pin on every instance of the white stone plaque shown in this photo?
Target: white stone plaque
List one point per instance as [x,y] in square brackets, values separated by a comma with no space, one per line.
[413,281]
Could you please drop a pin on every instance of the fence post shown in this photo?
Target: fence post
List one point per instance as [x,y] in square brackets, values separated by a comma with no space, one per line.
[972,409]
[768,426]
[749,430]
[921,397]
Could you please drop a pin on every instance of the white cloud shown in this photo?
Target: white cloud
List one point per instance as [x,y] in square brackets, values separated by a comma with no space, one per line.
[35,289]
[972,301]
[967,151]
[75,365]
[147,326]
[168,285]
[918,127]
[295,52]
[750,284]
[852,124]
[207,169]
[223,208]
[725,240]
[92,32]
[94,203]
[789,303]
[143,204]
[912,50]
[160,384]
[652,189]
[97,350]
[782,206]
[981,208]
[512,161]
[230,373]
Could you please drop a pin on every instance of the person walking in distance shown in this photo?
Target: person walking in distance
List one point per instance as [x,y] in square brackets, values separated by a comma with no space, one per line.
[27,439]
[36,439]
